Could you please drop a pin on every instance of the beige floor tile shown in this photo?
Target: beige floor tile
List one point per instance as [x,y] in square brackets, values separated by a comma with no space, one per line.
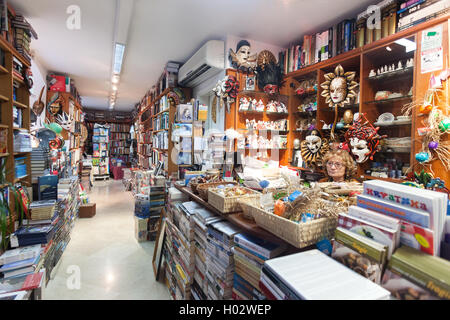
[112,264]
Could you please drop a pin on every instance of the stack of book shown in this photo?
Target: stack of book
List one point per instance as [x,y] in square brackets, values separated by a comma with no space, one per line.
[32,282]
[219,260]
[30,235]
[68,198]
[22,141]
[20,262]
[313,275]
[42,210]
[413,12]
[414,275]
[202,219]
[183,237]
[38,163]
[23,32]
[250,253]
[422,214]
[48,187]
[20,167]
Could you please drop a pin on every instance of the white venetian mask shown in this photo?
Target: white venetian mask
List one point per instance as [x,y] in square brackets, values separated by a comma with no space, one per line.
[359,149]
[313,143]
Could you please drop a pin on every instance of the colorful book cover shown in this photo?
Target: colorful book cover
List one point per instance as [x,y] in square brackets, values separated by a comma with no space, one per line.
[261,246]
[389,208]
[417,237]
[369,230]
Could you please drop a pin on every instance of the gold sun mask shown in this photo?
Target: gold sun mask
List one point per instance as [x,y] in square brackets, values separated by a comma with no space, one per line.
[339,87]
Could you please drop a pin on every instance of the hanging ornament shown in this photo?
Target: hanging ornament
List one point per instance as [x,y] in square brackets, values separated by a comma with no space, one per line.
[425,108]
[313,148]
[422,157]
[444,125]
[433,145]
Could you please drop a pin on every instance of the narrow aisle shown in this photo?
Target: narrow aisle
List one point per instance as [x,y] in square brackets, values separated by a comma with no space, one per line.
[112,264]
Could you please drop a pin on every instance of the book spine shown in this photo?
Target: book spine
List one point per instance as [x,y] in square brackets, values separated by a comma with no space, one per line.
[423,13]
[288,293]
[245,244]
[421,4]
[272,288]
[392,210]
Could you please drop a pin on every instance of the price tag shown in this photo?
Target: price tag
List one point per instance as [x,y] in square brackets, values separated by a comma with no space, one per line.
[14,241]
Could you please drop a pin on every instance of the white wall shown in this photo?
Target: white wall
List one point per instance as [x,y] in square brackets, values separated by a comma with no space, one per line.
[39,80]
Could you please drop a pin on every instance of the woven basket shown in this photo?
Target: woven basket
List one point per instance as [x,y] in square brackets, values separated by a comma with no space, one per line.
[248,205]
[203,188]
[299,235]
[228,204]
[194,187]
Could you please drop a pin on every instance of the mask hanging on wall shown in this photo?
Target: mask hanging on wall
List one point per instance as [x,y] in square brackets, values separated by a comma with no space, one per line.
[270,76]
[339,90]
[363,139]
[225,91]
[313,148]
[242,59]
[65,121]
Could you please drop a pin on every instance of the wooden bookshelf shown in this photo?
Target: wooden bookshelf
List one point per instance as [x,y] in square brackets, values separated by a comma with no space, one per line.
[144,125]
[362,60]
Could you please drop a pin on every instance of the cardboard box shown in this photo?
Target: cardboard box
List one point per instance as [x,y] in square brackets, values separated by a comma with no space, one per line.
[87,210]
[140,229]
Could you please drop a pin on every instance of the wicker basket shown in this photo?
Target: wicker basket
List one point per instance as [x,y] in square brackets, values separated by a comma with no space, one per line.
[228,204]
[248,205]
[299,235]
[203,188]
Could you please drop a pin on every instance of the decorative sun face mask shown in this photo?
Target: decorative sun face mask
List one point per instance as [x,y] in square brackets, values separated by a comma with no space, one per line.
[338,89]
[313,147]
[363,140]
[242,58]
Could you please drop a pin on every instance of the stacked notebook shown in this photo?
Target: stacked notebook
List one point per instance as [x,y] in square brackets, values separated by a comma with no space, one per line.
[250,253]
[20,261]
[42,210]
[202,219]
[30,235]
[312,275]
[38,163]
[219,260]
[421,212]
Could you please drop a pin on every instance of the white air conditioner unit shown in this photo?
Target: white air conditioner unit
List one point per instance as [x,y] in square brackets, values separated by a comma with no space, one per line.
[205,63]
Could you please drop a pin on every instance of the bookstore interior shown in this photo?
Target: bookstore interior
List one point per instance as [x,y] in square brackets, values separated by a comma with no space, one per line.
[300,154]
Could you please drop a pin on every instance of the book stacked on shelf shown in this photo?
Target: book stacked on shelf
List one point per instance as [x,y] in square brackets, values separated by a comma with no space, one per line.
[219,260]
[32,282]
[414,12]
[181,248]
[161,140]
[422,214]
[20,261]
[23,32]
[250,252]
[42,210]
[120,128]
[313,275]
[202,219]
[414,275]
[48,187]
[20,167]
[22,141]
[39,160]
[30,235]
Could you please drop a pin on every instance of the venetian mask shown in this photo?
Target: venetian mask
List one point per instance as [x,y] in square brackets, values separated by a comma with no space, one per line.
[339,87]
[65,121]
[313,147]
[241,59]
[338,90]
[359,149]
[363,140]
[296,144]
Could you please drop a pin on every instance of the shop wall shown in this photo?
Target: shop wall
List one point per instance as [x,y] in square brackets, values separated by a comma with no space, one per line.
[39,80]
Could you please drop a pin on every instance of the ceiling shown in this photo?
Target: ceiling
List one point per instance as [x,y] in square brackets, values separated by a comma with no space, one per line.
[160,31]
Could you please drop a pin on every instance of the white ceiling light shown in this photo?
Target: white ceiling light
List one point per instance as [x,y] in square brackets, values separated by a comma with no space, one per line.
[115,79]
[114,88]
[408,44]
[119,52]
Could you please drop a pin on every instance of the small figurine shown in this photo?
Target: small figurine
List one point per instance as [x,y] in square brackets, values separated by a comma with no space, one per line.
[399,67]
[260,106]
[244,104]
[372,73]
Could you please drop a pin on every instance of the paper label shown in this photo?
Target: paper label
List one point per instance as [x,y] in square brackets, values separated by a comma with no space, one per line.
[14,241]
[431,53]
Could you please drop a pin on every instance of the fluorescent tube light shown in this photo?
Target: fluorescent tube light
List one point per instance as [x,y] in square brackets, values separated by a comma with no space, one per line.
[119,52]
[408,44]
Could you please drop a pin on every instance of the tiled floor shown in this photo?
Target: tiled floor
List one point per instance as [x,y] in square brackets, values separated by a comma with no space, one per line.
[112,264]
